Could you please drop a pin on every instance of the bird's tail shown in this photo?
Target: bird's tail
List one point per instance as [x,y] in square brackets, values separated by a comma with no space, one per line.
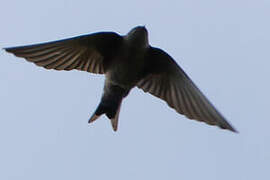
[111,109]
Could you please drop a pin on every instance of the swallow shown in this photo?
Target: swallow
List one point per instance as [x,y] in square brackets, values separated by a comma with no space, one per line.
[127,61]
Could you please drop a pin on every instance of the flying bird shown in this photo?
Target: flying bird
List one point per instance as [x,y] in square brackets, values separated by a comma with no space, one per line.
[127,61]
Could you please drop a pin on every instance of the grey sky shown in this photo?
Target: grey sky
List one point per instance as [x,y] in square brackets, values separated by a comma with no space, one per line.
[222,45]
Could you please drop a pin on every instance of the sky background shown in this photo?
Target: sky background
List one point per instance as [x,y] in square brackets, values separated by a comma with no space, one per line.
[222,45]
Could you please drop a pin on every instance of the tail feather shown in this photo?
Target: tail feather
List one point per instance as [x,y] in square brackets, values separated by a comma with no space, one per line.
[93,118]
[111,110]
[114,120]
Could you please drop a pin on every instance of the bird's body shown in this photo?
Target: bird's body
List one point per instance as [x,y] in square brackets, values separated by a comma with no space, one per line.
[127,61]
[130,60]
[127,70]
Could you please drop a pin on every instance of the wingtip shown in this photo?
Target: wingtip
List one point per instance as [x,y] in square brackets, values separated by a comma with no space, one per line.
[234,130]
[230,128]
[8,49]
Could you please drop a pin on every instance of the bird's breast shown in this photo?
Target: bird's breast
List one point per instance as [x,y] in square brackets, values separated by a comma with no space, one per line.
[127,69]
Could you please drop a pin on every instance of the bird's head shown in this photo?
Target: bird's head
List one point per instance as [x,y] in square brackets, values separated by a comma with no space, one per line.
[138,35]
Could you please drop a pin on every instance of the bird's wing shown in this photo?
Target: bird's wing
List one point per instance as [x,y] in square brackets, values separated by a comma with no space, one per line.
[91,53]
[166,80]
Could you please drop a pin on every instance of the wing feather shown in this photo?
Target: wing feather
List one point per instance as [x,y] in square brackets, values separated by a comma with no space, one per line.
[166,80]
[91,53]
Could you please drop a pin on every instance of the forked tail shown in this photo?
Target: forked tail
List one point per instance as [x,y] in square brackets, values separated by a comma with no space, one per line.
[110,108]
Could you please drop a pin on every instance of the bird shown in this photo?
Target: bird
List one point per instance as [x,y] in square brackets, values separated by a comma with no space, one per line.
[127,61]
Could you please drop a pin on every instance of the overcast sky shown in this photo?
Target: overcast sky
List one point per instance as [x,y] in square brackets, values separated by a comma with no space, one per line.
[222,45]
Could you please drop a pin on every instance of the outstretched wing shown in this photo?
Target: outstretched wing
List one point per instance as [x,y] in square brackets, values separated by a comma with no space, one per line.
[91,53]
[166,80]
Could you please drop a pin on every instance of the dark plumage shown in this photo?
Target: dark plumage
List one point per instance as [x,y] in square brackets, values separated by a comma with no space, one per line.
[127,61]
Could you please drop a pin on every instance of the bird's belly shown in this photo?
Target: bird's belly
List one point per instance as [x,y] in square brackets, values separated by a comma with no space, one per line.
[125,74]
